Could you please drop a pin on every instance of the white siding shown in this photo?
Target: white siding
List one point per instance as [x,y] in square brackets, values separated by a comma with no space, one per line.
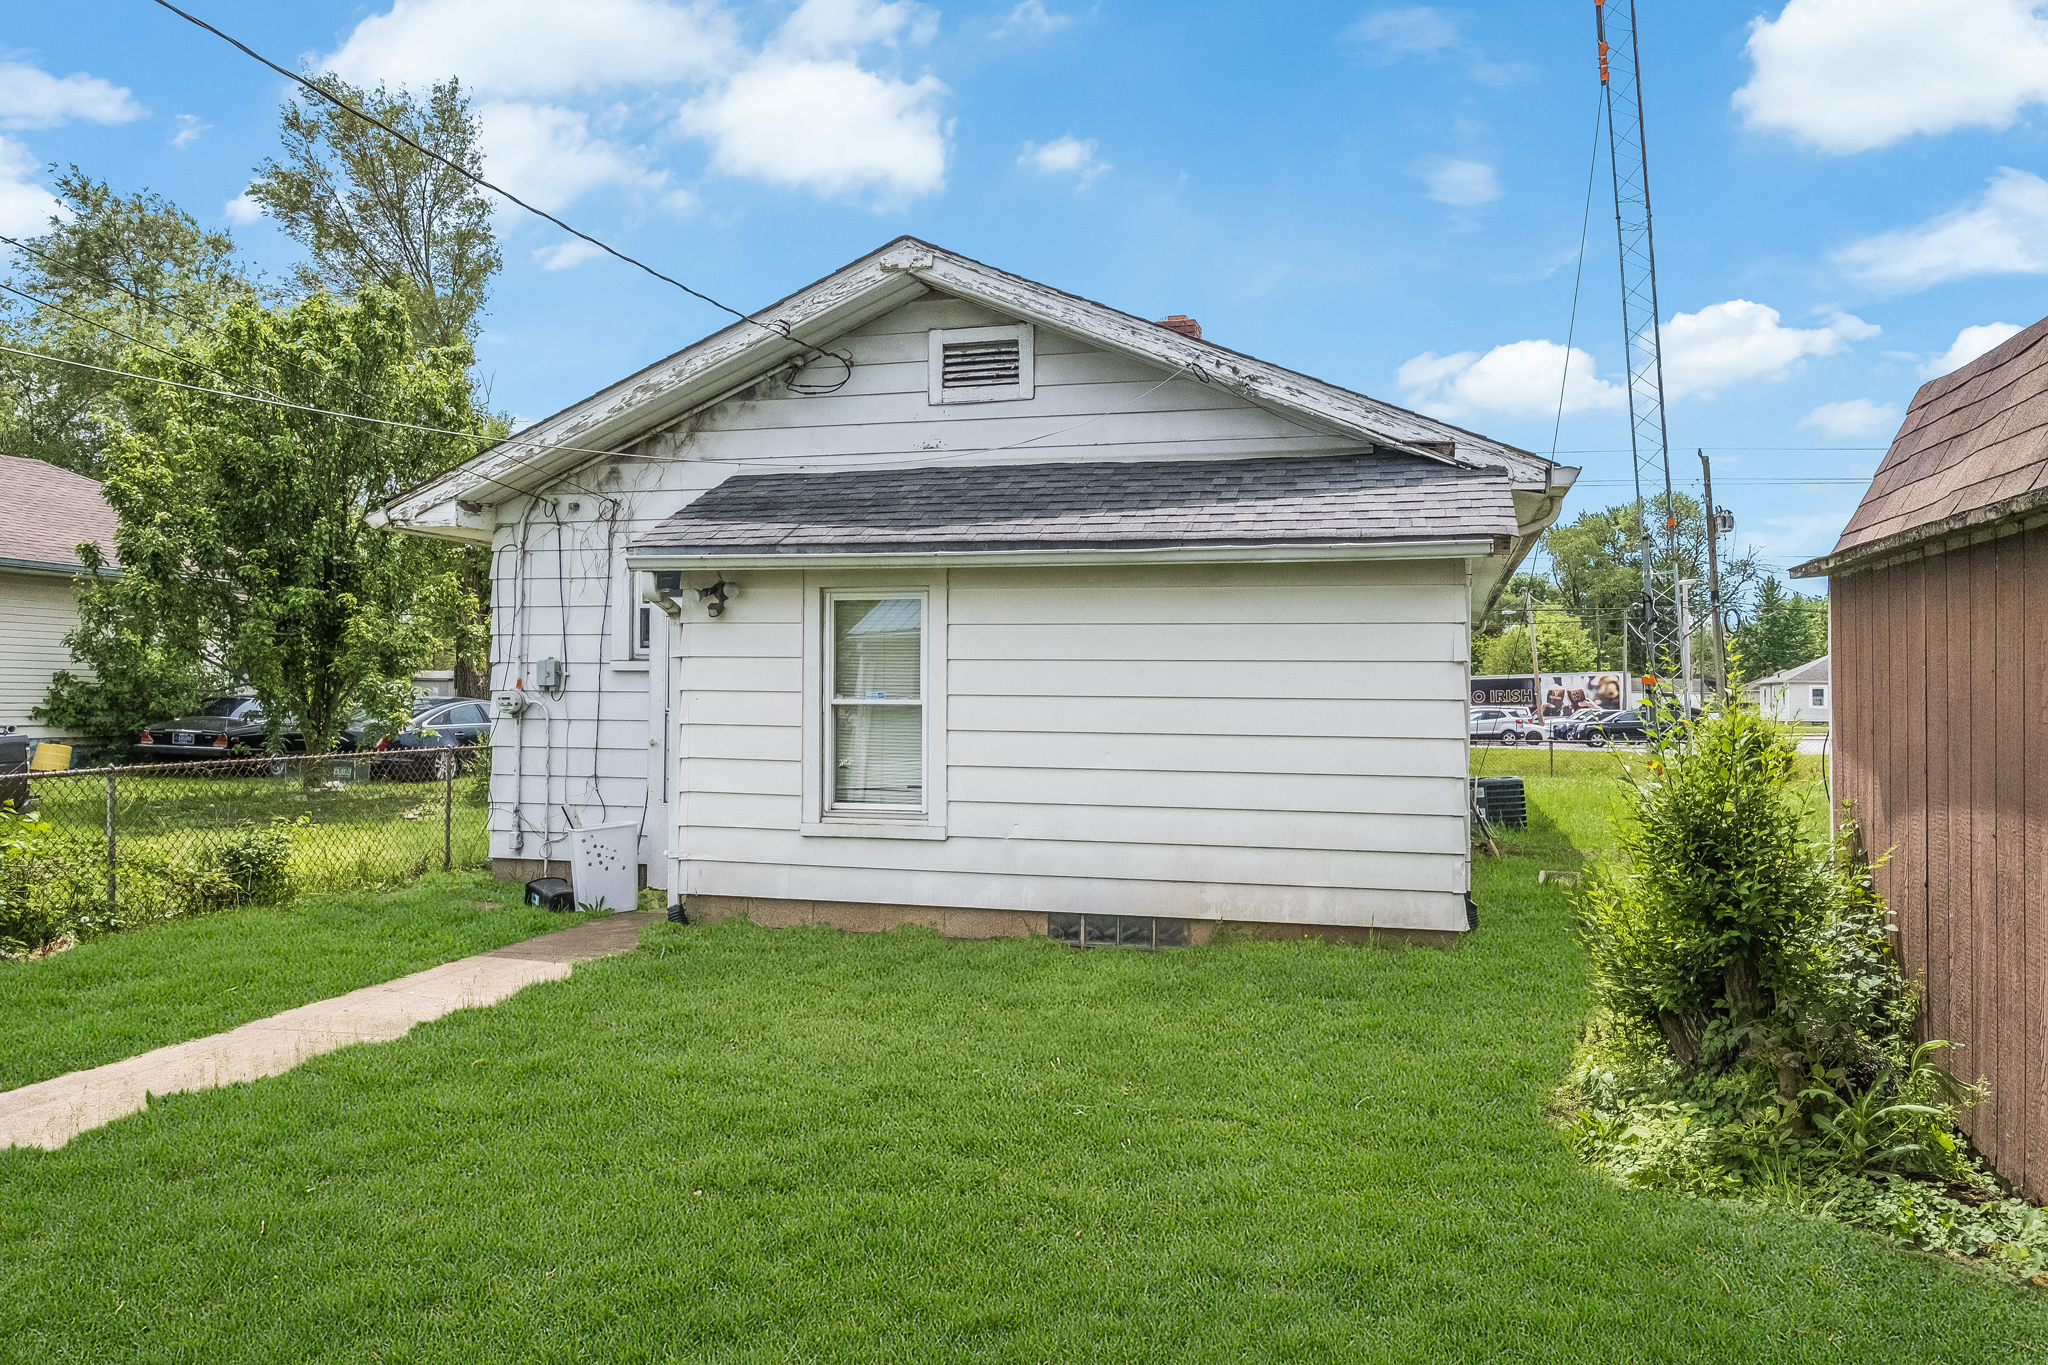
[1185,773]
[36,613]
[1190,742]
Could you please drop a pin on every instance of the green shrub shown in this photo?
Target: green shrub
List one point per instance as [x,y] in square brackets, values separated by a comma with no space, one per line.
[1753,1033]
[256,861]
[25,924]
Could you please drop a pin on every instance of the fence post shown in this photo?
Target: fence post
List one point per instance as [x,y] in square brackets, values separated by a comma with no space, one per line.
[111,904]
[448,812]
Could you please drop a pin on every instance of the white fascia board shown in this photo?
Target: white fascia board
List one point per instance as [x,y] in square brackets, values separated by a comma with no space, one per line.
[695,377]
[1220,554]
[443,520]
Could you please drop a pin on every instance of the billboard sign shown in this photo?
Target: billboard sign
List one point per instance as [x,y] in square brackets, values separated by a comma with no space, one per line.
[1563,694]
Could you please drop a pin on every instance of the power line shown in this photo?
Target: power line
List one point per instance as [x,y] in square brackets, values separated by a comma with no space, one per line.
[1578,274]
[781,329]
[488,441]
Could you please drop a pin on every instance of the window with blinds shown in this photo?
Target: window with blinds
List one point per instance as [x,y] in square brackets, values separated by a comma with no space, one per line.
[877,724]
[981,364]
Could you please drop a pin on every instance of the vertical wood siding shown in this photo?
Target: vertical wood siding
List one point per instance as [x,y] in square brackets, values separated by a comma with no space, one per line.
[1941,751]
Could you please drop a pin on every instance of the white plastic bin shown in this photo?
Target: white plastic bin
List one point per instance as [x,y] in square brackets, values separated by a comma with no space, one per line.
[604,865]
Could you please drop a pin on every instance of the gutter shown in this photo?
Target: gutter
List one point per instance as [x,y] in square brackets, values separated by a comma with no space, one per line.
[678,558]
[48,568]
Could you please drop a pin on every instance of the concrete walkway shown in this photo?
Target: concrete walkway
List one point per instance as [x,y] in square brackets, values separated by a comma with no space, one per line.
[50,1113]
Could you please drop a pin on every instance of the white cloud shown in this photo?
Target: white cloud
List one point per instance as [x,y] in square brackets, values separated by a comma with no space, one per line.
[801,110]
[2003,232]
[1391,35]
[829,27]
[241,209]
[1737,340]
[1461,184]
[189,129]
[32,98]
[1065,156]
[1850,75]
[25,206]
[1522,377]
[565,255]
[1970,343]
[511,49]
[826,126]
[1033,20]
[1852,417]
[546,154]
[1718,345]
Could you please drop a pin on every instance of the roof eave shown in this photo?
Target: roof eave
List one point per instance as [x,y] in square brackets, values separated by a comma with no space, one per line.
[680,557]
[1962,527]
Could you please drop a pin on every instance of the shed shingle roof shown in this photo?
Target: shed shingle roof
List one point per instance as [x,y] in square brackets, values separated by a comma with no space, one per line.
[52,510]
[1973,447]
[1124,505]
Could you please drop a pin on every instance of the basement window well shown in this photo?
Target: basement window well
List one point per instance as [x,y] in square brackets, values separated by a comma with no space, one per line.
[980,364]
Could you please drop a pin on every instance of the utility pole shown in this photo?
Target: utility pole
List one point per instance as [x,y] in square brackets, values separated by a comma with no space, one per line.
[1714,576]
[1536,676]
[1681,589]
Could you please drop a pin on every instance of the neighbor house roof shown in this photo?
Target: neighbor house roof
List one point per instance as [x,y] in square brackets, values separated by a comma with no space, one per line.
[1293,500]
[786,332]
[53,511]
[1973,450]
[1813,671]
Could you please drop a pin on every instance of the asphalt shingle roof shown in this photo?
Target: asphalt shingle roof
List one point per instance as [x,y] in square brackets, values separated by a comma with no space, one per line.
[51,511]
[1126,505]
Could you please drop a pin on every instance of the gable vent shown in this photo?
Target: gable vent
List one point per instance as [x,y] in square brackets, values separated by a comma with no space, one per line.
[982,364]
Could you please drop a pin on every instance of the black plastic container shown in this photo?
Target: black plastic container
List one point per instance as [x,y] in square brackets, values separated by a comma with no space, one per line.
[551,893]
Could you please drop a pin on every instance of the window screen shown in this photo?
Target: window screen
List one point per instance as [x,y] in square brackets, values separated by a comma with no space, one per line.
[643,631]
[877,670]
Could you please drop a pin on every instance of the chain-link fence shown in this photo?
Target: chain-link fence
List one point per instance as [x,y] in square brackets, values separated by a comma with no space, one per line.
[133,844]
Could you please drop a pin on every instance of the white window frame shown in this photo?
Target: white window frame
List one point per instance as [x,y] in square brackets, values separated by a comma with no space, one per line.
[627,655]
[820,817]
[1820,696]
[935,365]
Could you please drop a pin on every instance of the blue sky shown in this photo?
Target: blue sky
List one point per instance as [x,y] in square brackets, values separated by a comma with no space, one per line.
[1385,196]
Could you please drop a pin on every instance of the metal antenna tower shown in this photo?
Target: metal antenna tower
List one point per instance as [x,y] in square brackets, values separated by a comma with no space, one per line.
[1621,81]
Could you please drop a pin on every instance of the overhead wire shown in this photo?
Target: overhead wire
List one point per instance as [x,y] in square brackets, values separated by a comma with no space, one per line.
[777,326]
[1578,275]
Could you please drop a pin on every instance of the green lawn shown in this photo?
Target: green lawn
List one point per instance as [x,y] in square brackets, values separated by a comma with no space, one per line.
[800,1145]
[126,993]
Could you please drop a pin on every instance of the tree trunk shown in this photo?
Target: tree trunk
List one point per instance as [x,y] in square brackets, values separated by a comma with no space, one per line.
[1682,1035]
[469,679]
[1747,999]
[1791,1080]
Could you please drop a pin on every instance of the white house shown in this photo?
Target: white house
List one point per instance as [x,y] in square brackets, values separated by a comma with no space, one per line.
[934,594]
[1804,693]
[52,511]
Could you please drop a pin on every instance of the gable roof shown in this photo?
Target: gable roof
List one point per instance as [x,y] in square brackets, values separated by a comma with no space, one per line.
[1143,505]
[53,511]
[906,269]
[1972,450]
[1812,671]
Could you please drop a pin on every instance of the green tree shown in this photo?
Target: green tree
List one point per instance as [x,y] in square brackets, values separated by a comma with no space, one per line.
[1562,646]
[376,212]
[1595,563]
[113,271]
[1787,630]
[244,522]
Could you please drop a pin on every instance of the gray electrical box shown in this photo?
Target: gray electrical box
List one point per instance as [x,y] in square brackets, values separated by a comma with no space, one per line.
[548,674]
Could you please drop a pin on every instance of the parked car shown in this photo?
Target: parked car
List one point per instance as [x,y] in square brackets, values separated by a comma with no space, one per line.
[1632,727]
[430,745]
[228,727]
[1572,726]
[1505,725]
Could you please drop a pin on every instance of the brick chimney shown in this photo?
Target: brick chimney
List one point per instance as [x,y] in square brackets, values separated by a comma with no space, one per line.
[1183,324]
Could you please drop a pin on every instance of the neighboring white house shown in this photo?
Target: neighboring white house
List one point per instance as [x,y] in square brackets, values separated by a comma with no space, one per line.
[948,597]
[53,510]
[1797,694]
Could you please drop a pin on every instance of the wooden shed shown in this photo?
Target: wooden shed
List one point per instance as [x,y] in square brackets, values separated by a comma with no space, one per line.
[1939,594]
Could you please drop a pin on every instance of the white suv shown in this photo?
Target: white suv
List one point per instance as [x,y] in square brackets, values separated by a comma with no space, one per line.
[1506,725]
